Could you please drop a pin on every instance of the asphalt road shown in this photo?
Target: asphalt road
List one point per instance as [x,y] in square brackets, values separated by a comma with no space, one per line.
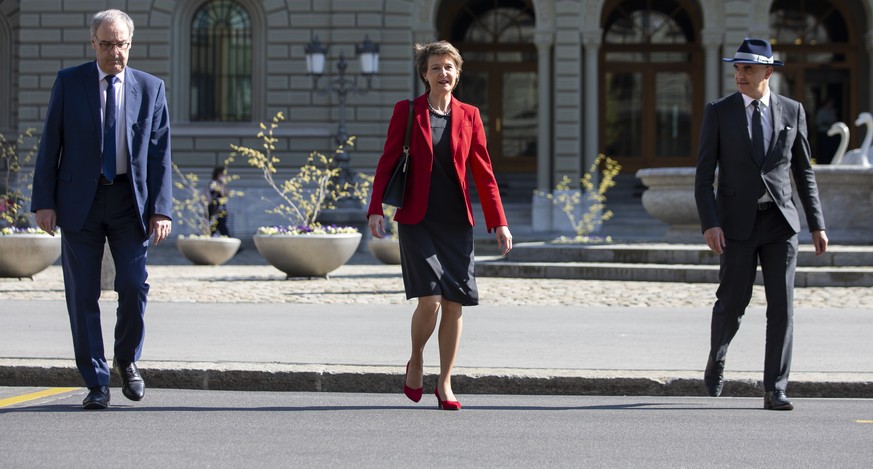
[178,428]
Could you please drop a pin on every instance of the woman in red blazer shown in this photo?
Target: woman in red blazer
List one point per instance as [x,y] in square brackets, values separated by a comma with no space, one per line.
[436,221]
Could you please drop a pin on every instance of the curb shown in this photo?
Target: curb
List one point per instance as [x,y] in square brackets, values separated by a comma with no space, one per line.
[238,376]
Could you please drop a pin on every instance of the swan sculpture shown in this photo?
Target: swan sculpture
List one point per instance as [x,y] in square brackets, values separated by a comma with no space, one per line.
[858,156]
[841,129]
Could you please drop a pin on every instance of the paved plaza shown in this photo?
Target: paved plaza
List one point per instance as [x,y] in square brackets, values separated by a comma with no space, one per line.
[244,326]
[249,279]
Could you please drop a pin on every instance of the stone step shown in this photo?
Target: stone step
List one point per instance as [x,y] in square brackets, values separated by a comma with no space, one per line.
[844,266]
[664,253]
[682,273]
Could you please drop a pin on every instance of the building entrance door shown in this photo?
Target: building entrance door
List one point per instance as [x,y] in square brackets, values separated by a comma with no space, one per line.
[506,95]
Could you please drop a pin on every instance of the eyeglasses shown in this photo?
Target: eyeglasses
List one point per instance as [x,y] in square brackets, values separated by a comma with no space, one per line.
[108,46]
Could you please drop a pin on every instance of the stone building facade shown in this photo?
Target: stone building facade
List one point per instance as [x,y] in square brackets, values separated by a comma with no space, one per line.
[558,81]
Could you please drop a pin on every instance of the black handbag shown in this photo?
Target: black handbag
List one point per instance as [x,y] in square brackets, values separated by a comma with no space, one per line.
[396,187]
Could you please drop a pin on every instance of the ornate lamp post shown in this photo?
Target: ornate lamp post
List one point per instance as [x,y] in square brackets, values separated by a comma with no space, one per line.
[316,53]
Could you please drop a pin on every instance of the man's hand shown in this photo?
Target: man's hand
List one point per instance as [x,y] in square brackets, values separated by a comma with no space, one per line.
[160,226]
[820,241]
[714,238]
[46,220]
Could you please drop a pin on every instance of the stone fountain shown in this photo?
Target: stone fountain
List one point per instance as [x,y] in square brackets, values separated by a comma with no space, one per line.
[845,191]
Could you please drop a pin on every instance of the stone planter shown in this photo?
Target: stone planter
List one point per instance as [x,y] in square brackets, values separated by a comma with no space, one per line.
[307,255]
[24,255]
[386,250]
[669,197]
[208,251]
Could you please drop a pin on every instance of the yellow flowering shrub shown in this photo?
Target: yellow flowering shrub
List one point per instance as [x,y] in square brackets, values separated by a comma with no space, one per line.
[314,188]
[594,199]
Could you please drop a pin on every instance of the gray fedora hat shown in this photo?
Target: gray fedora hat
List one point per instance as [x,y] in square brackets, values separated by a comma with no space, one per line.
[754,51]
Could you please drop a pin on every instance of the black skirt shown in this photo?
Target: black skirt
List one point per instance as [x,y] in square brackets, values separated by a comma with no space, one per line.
[437,259]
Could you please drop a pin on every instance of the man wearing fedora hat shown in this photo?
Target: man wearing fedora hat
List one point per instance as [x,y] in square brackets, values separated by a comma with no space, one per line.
[756,139]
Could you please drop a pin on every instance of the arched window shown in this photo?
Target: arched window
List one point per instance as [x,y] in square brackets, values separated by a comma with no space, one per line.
[496,39]
[651,69]
[817,45]
[221,62]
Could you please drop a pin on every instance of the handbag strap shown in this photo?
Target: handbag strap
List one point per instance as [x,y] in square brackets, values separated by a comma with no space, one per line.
[408,129]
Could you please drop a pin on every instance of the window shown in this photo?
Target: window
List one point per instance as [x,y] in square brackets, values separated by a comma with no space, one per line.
[650,75]
[221,63]
[499,76]
[817,45]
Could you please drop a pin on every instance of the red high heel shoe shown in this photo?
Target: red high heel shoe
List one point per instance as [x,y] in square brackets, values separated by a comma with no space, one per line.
[445,405]
[413,394]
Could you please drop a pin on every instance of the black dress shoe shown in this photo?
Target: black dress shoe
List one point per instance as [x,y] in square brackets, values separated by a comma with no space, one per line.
[132,384]
[97,398]
[777,400]
[713,377]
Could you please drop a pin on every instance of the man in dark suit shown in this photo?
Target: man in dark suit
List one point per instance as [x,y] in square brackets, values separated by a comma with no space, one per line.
[757,141]
[103,172]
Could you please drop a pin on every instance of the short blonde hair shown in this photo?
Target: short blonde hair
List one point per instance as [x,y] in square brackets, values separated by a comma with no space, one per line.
[423,53]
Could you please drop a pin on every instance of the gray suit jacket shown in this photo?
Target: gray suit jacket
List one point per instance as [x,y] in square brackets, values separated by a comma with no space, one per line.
[725,145]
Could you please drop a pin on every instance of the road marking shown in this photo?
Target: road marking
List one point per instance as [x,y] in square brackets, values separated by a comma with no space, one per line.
[863,421]
[34,395]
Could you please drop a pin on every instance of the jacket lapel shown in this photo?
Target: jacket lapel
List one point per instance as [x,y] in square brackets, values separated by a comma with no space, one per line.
[132,103]
[91,92]
[458,118]
[776,120]
[738,109]
[422,121]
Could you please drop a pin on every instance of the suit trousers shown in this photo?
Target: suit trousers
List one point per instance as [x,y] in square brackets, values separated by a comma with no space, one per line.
[113,217]
[774,243]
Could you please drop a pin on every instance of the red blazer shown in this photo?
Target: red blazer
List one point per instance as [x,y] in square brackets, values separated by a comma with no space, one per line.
[468,150]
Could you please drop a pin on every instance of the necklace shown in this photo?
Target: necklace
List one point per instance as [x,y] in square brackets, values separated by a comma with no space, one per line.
[437,112]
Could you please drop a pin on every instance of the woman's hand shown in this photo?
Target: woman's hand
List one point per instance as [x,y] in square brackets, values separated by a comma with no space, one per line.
[504,239]
[377,225]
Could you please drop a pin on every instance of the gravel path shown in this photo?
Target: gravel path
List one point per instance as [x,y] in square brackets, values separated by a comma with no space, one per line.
[382,284]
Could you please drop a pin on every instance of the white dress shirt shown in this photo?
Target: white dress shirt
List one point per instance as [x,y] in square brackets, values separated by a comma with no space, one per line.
[120,120]
[766,122]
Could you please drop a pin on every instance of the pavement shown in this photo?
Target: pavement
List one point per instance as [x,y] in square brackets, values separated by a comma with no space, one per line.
[243,326]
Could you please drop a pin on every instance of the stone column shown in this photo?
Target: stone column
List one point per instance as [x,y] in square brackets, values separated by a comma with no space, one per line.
[591,41]
[541,207]
[711,43]
[544,41]
[869,38]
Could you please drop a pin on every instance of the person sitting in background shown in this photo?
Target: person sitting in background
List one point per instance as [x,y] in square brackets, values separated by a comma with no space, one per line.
[218,202]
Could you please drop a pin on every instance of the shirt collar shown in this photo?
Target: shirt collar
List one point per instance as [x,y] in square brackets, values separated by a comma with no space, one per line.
[102,75]
[765,100]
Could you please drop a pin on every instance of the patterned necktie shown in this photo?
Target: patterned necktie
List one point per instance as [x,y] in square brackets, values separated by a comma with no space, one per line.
[757,134]
[109,130]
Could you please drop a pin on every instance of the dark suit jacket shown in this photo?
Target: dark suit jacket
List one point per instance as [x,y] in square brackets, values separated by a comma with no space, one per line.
[725,144]
[468,149]
[69,161]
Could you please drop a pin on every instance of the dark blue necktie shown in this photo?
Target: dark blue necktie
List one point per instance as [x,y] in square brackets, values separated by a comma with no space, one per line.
[757,134]
[109,130]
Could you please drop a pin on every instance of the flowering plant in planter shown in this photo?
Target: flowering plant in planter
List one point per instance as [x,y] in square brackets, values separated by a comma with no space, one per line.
[25,250]
[302,230]
[10,230]
[193,210]
[15,186]
[314,188]
[590,199]
[200,210]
